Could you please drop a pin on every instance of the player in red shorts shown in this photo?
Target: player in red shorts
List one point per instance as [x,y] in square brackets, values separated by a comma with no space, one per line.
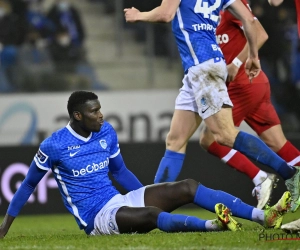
[252,104]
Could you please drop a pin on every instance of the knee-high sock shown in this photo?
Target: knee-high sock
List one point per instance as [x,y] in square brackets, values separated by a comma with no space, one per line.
[179,223]
[169,167]
[207,198]
[256,149]
[290,154]
[234,159]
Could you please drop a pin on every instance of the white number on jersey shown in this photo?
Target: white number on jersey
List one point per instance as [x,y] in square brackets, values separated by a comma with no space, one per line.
[206,10]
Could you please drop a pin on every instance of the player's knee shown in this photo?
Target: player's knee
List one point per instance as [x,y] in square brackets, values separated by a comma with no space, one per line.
[225,139]
[175,142]
[188,187]
[205,141]
[151,215]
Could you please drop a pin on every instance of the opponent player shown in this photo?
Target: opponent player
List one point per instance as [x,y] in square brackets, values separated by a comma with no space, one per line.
[204,93]
[80,156]
[252,103]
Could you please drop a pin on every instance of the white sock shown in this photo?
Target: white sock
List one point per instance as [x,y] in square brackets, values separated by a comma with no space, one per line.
[259,178]
[210,226]
[258,216]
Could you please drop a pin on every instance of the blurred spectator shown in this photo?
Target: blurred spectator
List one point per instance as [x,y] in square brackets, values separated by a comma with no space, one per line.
[37,19]
[71,63]
[19,9]
[34,68]
[66,56]
[64,53]
[65,15]
[9,38]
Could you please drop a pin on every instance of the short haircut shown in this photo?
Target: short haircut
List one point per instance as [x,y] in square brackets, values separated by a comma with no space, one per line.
[77,99]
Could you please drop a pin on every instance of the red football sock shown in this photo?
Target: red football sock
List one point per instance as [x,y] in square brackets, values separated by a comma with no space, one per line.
[234,159]
[290,154]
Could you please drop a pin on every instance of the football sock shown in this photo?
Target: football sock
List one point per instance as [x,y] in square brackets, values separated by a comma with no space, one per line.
[211,225]
[234,159]
[169,167]
[256,149]
[207,198]
[290,154]
[258,179]
[258,216]
[179,223]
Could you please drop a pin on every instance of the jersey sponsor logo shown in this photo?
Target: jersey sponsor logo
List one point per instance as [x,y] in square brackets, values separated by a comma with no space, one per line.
[94,167]
[73,147]
[42,157]
[203,26]
[103,144]
[224,38]
[72,154]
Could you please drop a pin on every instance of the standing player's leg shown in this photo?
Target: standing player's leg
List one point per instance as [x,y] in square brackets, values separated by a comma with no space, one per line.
[266,123]
[246,98]
[184,123]
[218,118]
[277,141]
[263,181]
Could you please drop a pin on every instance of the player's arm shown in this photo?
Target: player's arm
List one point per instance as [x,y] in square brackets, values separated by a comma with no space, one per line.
[233,67]
[163,13]
[239,10]
[275,2]
[122,174]
[27,187]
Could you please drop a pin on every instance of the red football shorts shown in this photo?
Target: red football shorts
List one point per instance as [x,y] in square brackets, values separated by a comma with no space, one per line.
[252,104]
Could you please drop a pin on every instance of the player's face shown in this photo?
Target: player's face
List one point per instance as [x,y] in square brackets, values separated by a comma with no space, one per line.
[92,118]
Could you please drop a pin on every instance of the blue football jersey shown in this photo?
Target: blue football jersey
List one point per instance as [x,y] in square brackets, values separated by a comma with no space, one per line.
[80,167]
[194,27]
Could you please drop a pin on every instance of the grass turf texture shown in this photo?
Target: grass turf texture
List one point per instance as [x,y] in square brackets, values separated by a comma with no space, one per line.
[61,232]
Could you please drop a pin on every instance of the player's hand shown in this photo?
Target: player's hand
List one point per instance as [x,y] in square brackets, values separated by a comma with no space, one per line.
[252,68]
[131,15]
[232,72]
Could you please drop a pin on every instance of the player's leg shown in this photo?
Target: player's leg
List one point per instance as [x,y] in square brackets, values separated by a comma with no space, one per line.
[227,155]
[145,216]
[277,141]
[265,122]
[170,196]
[184,123]
[245,98]
[263,181]
[145,219]
[214,106]
[250,146]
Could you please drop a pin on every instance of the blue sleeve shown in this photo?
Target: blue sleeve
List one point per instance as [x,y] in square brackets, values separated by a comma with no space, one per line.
[27,187]
[122,174]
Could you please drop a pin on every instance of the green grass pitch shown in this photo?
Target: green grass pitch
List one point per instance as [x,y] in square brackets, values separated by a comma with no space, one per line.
[61,232]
